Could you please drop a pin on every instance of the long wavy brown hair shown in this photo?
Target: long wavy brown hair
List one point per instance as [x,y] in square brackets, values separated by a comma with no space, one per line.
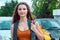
[17,17]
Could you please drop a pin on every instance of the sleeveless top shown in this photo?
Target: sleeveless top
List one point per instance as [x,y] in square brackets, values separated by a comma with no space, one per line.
[23,35]
[33,35]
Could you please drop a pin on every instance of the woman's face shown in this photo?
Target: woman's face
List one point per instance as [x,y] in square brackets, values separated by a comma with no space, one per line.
[22,10]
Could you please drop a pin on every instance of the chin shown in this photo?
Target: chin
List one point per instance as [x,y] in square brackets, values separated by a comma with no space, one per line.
[22,15]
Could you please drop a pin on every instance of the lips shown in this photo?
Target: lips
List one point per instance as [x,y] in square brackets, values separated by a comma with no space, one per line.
[22,13]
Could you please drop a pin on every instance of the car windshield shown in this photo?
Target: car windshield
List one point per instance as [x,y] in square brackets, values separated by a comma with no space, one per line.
[5,23]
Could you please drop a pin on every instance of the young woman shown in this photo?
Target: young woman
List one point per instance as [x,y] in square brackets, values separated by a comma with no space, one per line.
[20,29]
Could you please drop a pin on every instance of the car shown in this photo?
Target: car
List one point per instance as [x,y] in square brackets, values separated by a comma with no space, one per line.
[50,25]
[5,24]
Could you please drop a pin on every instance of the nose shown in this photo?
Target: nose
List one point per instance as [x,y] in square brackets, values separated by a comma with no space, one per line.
[22,10]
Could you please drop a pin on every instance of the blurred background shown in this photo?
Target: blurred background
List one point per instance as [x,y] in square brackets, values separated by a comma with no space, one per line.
[47,14]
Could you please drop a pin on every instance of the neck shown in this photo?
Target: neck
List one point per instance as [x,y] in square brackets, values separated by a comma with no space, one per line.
[23,19]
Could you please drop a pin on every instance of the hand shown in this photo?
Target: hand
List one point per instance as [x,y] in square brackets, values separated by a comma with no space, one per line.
[33,27]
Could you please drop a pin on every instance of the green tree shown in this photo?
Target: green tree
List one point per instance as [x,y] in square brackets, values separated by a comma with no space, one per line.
[44,8]
[7,10]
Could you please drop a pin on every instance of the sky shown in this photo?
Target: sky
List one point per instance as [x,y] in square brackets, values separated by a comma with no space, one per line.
[2,2]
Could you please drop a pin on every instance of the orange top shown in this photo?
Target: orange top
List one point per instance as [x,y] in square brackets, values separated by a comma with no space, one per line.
[23,35]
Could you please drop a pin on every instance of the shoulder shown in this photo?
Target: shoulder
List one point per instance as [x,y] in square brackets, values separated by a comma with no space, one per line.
[12,26]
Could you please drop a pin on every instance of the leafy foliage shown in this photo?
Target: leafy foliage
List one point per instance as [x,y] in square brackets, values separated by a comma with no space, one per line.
[7,10]
[44,8]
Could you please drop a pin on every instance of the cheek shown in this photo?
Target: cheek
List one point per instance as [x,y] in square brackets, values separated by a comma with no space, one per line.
[18,12]
[26,12]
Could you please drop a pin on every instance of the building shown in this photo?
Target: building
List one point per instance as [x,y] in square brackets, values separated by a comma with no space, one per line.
[56,14]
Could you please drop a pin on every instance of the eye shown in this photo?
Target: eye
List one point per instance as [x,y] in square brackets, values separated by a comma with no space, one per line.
[24,8]
[19,9]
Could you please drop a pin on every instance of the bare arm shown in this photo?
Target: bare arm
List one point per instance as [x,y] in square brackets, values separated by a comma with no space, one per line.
[37,30]
[12,26]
